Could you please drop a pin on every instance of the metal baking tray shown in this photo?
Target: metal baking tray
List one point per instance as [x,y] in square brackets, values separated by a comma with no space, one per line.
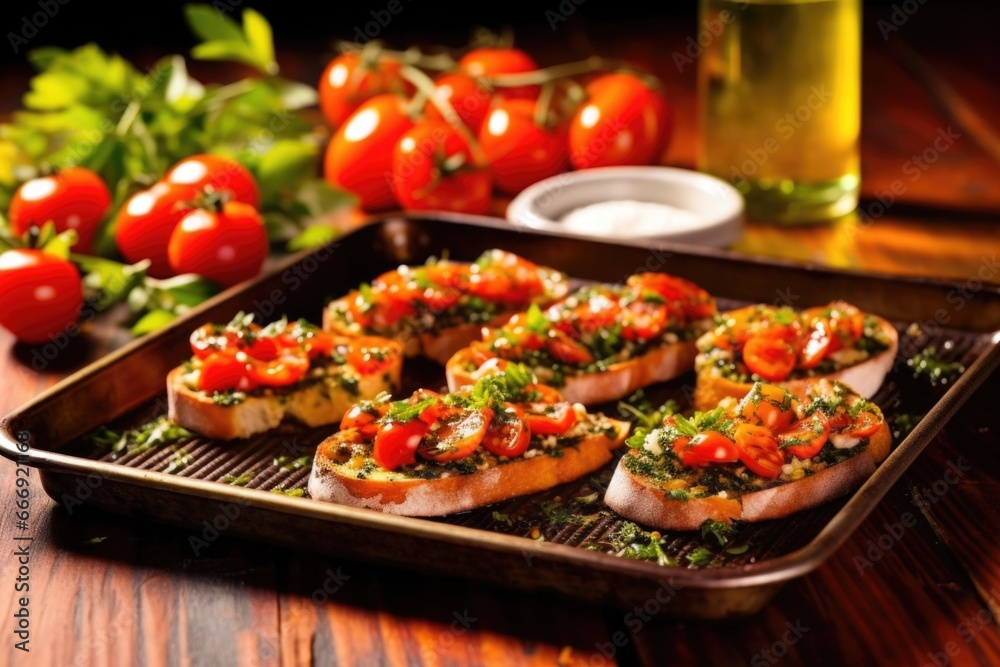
[505,544]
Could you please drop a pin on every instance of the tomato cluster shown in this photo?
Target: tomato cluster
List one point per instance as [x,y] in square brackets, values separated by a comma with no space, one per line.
[431,427]
[774,342]
[771,426]
[241,356]
[200,218]
[476,127]
[598,322]
[41,293]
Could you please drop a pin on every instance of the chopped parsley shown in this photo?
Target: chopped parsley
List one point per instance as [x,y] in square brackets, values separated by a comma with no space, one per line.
[928,365]
[160,431]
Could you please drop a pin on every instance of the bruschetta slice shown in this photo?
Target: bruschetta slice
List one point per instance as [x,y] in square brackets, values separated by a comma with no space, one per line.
[438,308]
[432,455]
[767,456]
[245,379]
[600,344]
[792,348]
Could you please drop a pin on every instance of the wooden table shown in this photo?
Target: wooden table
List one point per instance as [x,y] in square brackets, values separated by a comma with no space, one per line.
[110,591]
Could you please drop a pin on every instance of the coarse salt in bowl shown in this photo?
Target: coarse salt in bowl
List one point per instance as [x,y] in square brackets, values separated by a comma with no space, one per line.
[633,203]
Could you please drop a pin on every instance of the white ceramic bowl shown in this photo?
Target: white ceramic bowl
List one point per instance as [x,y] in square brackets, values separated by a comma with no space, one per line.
[717,205]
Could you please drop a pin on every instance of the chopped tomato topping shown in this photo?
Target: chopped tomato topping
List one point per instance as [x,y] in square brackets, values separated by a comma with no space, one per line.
[805,438]
[550,418]
[770,358]
[707,447]
[457,436]
[396,443]
[758,450]
[508,433]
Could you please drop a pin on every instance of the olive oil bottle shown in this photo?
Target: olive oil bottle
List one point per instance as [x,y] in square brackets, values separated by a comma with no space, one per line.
[779,104]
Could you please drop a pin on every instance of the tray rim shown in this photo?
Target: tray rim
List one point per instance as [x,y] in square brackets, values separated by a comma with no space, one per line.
[770,571]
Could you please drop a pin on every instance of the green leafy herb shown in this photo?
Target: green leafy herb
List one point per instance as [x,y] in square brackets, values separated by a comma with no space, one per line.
[298,464]
[295,493]
[242,480]
[403,411]
[535,320]
[637,409]
[228,398]
[717,530]
[160,431]
[928,365]
[181,459]
[508,385]
[684,426]
[630,541]
[679,494]
[499,517]
[699,557]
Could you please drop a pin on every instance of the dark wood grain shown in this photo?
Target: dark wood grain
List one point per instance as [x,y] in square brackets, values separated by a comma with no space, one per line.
[137,595]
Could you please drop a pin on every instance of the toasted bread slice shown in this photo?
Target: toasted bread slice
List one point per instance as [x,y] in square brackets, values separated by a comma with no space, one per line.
[315,402]
[616,382]
[436,309]
[346,473]
[646,501]
[682,474]
[864,377]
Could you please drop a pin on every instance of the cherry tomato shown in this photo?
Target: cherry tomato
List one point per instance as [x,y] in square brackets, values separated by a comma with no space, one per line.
[146,221]
[457,437]
[486,62]
[519,151]
[206,340]
[286,369]
[770,358]
[363,417]
[446,274]
[817,345]
[644,321]
[864,424]
[227,247]
[505,277]
[566,350]
[40,294]
[221,174]
[596,313]
[806,437]
[224,372]
[396,443]
[433,169]
[549,418]
[469,97]
[694,302]
[266,348]
[623,122]
[319,344]
[369,354]
[707,447]
[348,81]
[360,154]
[769,406]
[508,434]
[750,321]
[74,198]
[759,450]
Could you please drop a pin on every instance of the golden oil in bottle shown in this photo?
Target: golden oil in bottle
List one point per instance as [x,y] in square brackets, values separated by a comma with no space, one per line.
[780,104]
